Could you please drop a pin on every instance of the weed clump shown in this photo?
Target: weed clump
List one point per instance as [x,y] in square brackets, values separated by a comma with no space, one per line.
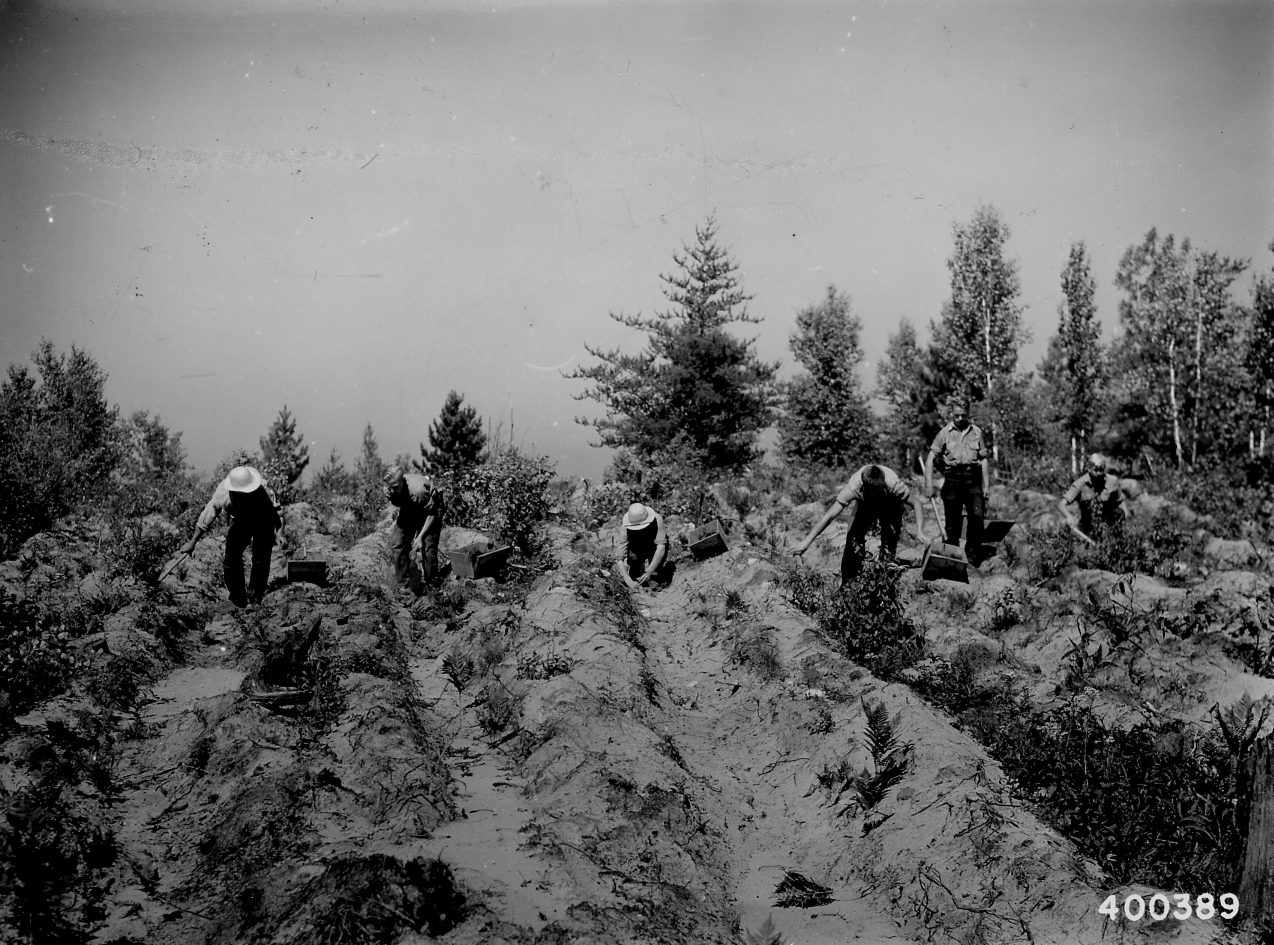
[37,661]
[864,620]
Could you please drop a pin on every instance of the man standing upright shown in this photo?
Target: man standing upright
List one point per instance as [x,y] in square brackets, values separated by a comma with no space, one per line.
[419,520]
[961,449]
[254,520]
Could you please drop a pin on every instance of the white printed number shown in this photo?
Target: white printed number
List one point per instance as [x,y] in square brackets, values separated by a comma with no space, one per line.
[1161,906]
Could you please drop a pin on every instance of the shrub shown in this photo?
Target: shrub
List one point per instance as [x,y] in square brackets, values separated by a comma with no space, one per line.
[1155,545]
[36,661]
[59,442]
[508,495]
[1151,804]
[866,621]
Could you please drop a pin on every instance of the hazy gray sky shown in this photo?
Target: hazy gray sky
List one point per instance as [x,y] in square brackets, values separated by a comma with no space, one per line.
[281,202]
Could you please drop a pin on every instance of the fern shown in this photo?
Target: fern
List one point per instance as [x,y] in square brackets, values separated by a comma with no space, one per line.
[795,891]
[890,758]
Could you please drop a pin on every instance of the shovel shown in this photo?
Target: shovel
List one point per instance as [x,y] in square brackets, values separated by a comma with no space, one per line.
[942,560]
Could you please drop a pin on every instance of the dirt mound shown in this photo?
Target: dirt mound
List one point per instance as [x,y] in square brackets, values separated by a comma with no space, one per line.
[551,759]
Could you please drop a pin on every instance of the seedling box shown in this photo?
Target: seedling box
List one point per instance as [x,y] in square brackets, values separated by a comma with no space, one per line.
[309,572]
[479,560]
[707,541]
[996,530]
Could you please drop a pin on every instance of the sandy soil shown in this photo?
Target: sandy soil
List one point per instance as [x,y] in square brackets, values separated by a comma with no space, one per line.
[555,760]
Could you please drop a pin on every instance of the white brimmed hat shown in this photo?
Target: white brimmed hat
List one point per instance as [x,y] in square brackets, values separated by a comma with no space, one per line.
[638,516]
[243,479]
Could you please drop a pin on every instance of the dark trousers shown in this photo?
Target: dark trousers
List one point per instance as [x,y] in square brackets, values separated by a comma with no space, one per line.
[641,551]
[1111,514]
[238,537]
[406,528]
[889,515]
[962,494]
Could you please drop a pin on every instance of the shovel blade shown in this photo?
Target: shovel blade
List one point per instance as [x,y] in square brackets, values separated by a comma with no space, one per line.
[943,561]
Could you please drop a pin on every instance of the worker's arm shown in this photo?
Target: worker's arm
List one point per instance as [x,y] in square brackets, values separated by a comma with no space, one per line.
[929,493]
[986,476]
[1064,506]
[833,510]
[918,507]
[621,563]
[211,512]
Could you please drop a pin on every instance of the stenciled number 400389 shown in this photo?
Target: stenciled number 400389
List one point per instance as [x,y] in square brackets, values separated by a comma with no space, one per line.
[1178,906]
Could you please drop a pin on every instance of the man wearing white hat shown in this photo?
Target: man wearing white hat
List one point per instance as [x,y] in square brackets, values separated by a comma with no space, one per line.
[644,550]
[1096,494]
[254,520]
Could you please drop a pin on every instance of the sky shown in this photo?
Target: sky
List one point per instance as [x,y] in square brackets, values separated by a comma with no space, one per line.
[353,208]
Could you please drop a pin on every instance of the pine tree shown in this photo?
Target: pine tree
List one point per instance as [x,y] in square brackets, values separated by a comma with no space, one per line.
[825,418]
[1075,366]
[333,478]
[283,451]
[60,441]
[695,382]
[456,437]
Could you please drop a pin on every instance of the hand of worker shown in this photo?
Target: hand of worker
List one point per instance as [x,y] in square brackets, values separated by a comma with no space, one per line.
[931,491]
[800,549]
[189,547]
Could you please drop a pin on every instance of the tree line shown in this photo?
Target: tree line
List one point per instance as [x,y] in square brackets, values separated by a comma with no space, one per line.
[1186,385]
[1187,382]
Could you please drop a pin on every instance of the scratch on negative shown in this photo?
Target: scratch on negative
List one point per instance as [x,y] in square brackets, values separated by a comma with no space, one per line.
[373,157]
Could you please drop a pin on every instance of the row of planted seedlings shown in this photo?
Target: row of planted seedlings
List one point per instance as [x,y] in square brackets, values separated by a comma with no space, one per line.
[611,802]
[1159,802]
[324,755]
[85,628]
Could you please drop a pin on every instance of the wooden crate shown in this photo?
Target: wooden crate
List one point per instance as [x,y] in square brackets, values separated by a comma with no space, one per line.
[942,561]
[996,530]
[309,572]
[479,560]
[707,541]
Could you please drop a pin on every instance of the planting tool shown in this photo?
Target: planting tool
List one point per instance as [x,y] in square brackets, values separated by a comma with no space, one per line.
[937,515]
[172,565]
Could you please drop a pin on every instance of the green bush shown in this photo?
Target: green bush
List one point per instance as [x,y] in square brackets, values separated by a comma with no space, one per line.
[1151,804]
[508,496]
[36,659]
[60,442]
[865,620]
[1156,545]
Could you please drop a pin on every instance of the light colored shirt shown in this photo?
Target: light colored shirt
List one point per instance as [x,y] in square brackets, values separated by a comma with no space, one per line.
[960,447]
[1083,490]
[894,486]
[422,494]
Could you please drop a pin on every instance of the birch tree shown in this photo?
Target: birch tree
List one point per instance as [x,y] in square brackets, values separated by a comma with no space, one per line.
[1179,339]
[982,321]
[1259,362]
[981,326]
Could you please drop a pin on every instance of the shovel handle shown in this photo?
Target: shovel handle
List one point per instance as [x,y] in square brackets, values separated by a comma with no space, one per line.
[937,514]
[172,565]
